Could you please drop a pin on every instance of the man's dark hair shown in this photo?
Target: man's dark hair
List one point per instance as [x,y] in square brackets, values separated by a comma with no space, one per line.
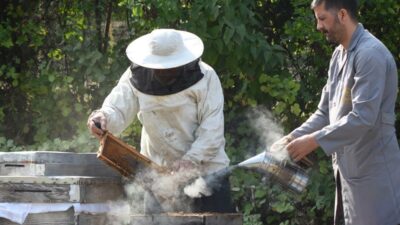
[349,5]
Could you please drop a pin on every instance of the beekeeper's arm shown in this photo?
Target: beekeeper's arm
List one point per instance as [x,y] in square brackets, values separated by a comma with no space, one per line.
[303,142]
[209,136]
[119,108]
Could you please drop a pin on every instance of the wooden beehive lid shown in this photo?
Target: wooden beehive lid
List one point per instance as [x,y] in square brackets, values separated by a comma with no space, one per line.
[123,157]
[58,180]
[48,157]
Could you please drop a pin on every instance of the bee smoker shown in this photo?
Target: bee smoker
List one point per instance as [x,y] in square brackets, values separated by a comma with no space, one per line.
[287,173]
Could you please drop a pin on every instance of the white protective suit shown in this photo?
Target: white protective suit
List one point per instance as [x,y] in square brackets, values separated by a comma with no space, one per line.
[185,125]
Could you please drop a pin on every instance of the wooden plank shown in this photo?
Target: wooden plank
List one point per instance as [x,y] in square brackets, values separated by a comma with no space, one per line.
[67,218]
[220,219]
[39,193]
[60,189]
[94,193]
[102,219]
[51,218]
[92,219]
[59,180]
[22,169]
[164,219]
[49,157]
[188,219]
[56,169]
[53,164]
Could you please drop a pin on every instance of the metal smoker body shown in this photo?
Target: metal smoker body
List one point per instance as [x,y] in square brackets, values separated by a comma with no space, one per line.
[287,173]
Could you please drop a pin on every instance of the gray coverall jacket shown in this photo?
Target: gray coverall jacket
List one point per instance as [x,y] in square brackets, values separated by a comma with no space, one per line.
[354,123]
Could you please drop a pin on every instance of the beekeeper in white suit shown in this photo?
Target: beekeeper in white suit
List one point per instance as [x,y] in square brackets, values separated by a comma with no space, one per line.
[179,101]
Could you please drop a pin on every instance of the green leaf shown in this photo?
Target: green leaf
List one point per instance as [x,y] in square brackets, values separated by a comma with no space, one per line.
[295,109]
[260,193]
[51,78]
[263,78]
[228,35]
[282,207]
[241,31]
[5,37]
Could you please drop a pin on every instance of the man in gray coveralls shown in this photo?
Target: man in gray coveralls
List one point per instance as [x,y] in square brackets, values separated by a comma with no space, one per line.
[354,122]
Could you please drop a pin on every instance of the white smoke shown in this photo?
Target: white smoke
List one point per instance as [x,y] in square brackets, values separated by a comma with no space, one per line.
[167,189]
[268,129]
[119,213]
[134,197]
[198,189]
[270,132]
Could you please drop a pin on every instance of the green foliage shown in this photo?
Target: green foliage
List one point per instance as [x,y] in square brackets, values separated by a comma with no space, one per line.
[51,66]
[81,142]
[59,59]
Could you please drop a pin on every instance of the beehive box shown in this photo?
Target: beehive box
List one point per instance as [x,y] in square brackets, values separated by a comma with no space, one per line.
[58,177]
[68,217]
[43,163]
[177,218]
[188,219]
[58,189]
[53,218]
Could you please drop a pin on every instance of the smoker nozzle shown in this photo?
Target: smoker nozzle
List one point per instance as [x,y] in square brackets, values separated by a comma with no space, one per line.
[287,173]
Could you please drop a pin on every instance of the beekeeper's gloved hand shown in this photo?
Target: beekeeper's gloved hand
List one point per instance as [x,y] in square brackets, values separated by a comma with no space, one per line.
[97,123]
[278,149]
